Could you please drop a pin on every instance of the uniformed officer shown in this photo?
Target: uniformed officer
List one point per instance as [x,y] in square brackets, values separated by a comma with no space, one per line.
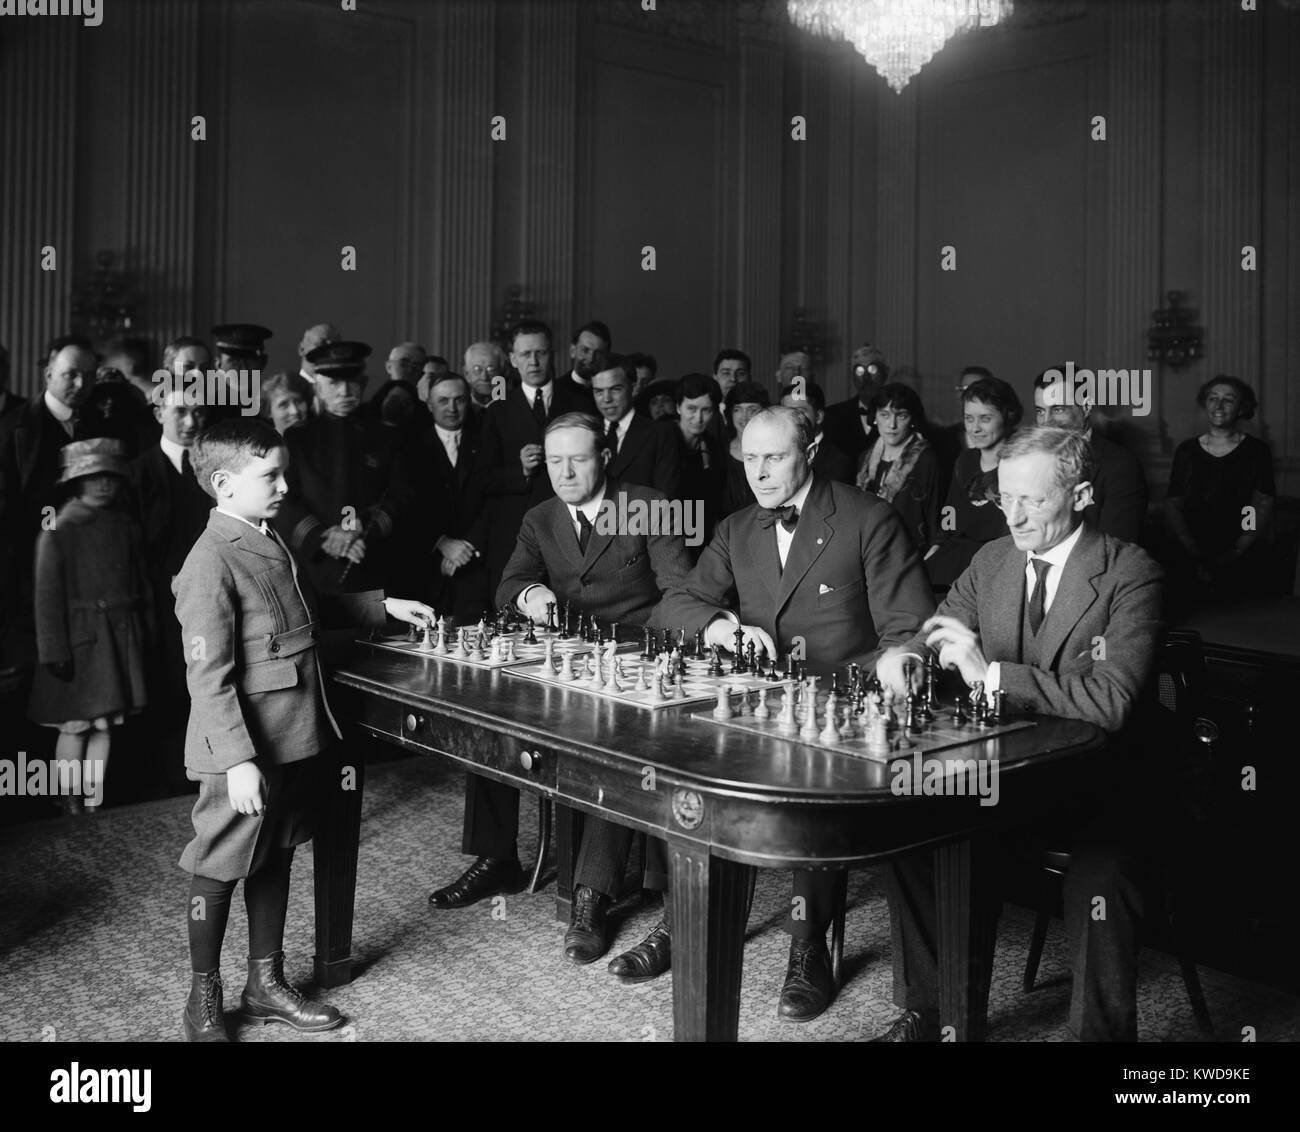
[349,483]
[240,353]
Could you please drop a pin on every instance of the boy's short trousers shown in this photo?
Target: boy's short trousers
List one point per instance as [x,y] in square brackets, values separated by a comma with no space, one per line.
[229,845]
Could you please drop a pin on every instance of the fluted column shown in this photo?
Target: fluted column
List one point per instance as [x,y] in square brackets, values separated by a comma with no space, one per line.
[463,188]
[38,97]
[896,214]
[550,155]
[1134,182]
[761,136]
[1233,150]
[159,198]
[839,218]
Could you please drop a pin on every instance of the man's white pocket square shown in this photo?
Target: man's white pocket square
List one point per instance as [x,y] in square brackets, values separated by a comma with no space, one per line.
[825,589]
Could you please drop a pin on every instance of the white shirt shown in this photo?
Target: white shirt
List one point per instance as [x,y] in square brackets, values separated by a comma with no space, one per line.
[573,376]
[310,378]
[1051,581]
[624,423]
[262,529]
[450,442]
[785,538]
[531,392]
[175,453]
[59,411]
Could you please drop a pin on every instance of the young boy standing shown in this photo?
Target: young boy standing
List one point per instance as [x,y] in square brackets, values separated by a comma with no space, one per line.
[258,719]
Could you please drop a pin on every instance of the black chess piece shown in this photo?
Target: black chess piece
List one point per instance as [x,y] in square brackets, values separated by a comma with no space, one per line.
[648,649]
[613,631]
[1000,706]
[531,637]
[959,712]
[699,643]
[564,631]
[750,651]
[580,630]
[715,662]
[789,667]
[550,617]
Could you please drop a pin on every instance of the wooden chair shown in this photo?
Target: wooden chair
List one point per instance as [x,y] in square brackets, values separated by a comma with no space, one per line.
[1171,715]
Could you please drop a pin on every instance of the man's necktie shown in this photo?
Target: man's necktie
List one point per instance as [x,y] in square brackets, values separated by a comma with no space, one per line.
[1038,599]
[611,438]
[452,446]
[539,409]
[584,531]
[789,516]
[187,465]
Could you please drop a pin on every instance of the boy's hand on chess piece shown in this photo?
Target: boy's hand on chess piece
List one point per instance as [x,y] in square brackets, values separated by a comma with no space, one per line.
[246,788]
[408,610]
[535,604]
[721,631]
[958,647]
[891,670]
[60,670]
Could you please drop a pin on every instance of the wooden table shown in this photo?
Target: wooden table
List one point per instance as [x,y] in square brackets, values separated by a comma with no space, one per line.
[725,801]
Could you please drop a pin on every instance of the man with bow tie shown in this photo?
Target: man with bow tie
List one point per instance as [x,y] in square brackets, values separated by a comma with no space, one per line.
[1064,620]
[571,550]
[818,571]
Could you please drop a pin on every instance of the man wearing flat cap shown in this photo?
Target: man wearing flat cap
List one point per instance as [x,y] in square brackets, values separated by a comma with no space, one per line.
[349,483]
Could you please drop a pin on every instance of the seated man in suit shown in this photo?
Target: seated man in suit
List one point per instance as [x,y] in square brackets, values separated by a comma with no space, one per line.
[642,451]
[831,461]
[848,423]
[1026,618]
[566,552]
[1119,490]
[831,583]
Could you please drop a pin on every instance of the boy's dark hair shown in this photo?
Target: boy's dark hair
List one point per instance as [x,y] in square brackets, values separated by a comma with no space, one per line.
[596,327]
[231,445]
[531,326]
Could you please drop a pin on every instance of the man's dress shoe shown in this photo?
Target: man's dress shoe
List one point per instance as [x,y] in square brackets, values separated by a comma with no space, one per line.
[485,877]
[808,985]
[912,1026]
[585,940]
[647,960]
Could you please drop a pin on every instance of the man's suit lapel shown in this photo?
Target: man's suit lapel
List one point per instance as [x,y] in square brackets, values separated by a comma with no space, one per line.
[762,552]
[638,432]
[559,525]
[606,526]
[1000,630]
[1074,595]
[811,537]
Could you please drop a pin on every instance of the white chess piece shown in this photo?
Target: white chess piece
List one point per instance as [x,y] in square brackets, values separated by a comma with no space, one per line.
[723,708]
[762,711]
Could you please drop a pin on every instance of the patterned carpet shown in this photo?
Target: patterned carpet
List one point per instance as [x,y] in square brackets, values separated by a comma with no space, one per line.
[93,943]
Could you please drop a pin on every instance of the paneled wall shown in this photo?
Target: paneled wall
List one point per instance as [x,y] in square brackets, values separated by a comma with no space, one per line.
[672,128]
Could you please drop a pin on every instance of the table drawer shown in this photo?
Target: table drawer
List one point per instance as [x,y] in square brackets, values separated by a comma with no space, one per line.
[439,734]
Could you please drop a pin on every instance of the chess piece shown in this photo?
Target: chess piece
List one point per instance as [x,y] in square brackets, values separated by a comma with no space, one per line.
[959,712]
[847,730]
[830,732]
[427,643]
[745,707]
[679,692]
[462,649]
[762,711]
[530,638]
[699,644]
[715,662]
[750,651]
[511,655]
[613,631]
[723,709]
[657,688]
[566,667]
[648,649]
[550,617]
[640,678]
[808,730]
[440,643]
[786,719]
[613,684]
[548,657]
[1000,706]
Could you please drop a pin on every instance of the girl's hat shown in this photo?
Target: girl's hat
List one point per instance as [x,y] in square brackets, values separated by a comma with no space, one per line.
[93,457]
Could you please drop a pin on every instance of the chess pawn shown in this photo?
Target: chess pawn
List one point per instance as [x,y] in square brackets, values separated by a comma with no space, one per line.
[786,719]
[427,643]
[613,684]
[959,712]
[549,656]
[657,688]
[597,679]
[808,731]
[762,711]
[715,662]
[440,643]
[511,655]
[746,708]
[530,637]
[723,709]
[679,692]
[566,667]
[830,732]
[847,730]
[640,678]
[878,732]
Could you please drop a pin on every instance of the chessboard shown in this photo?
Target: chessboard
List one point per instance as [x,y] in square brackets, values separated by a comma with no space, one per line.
[498,650]
[638,681]
[864,741]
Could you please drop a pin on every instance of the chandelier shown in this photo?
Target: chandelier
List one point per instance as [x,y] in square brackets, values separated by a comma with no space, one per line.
[897,37]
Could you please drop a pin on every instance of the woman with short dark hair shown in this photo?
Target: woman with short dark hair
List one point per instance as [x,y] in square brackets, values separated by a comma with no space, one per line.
[1219,508]
[970,517]
[901,467]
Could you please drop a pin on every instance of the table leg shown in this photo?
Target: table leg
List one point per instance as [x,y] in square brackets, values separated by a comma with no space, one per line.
[709,898]
[967,929]
[568,838]
[334,855]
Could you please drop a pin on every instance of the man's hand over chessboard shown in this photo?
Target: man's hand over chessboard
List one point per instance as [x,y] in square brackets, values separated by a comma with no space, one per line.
[958,647]
[721,631]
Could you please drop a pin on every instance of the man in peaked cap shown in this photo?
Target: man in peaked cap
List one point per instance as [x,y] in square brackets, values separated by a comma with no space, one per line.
[349,480]
[241,347]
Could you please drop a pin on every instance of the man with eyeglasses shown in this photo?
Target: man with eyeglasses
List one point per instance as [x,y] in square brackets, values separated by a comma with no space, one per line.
[485,362]
[1119,490]
[1063,619]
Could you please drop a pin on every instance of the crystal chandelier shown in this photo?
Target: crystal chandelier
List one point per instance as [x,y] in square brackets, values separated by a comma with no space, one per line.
[897,37]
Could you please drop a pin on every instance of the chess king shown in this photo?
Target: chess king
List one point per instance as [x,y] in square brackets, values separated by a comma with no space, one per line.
[564,555]
[816,569]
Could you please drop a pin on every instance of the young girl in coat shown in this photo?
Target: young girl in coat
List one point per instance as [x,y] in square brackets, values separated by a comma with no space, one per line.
[92,618]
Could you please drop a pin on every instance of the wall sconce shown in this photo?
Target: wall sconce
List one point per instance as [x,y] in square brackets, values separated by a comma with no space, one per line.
[806,336]
[1174,338]
[105,302]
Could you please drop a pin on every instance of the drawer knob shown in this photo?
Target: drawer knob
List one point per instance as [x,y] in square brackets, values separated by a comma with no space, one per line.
[413,722]
[530,760]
